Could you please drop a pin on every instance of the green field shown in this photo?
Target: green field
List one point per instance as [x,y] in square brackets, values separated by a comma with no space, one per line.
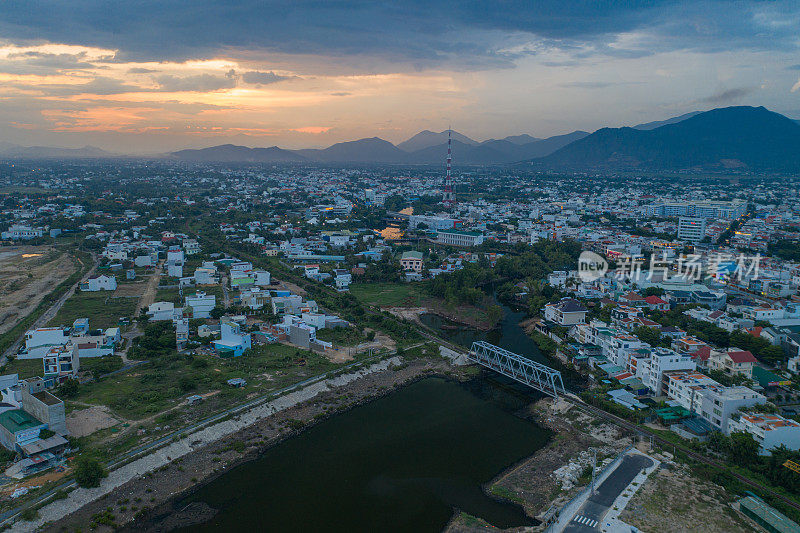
[389,294]
[102,310]
[165,381]
[26,368]
[173,295]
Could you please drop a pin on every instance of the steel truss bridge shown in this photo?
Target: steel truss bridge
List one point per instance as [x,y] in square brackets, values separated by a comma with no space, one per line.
[533,374]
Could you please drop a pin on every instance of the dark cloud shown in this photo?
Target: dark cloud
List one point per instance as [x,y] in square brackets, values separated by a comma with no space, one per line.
[727,96]
[198,83]
[262,78]
[341,94]
[52,61]
[140,70]
[793,67]
[461,34]
[99,85]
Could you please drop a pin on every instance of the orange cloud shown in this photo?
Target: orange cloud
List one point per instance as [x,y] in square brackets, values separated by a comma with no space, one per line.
[312,129]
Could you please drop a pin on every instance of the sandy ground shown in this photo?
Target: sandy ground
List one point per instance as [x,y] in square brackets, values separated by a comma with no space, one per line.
[128,289]
[673,500]
[86,421]
[27,274]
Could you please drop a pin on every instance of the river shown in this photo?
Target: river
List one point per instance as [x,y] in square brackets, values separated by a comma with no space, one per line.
[403,462]
[508,334]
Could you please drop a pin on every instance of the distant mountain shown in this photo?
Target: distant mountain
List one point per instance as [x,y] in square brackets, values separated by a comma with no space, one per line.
[658,123]
[230,153]
[494,151]
[373,150]
[13,151]
[731,137]
[427,138]
[520,139]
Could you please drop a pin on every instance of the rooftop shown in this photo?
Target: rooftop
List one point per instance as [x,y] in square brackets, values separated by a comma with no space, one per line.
[18,420]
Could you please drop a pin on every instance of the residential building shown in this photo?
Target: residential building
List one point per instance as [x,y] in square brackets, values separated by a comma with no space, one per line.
[19,232]
[200,304]
[39,341]
[99,283]
[732,362]
[651,365]
[717,404]
[770,431]
[411,261]
[691,229]
[232,343]
[565,312]
[459,238]
[163,311]
[61,362]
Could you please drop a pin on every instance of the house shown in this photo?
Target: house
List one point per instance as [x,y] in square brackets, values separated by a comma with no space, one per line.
[191,247]
[19,232]
[342,278]
[770,431]
[39,341]
[163,311]
[181,332]
[565,312]
[205,276]
[99,283]
[254,298]
[61,363]
[242,278]
[655,303]
[200,304]
[411,261]
[632,299]
[261,278]
[651,365]
[732,362]
[232,343]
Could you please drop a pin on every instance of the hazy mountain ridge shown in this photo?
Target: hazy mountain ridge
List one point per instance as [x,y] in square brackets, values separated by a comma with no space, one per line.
[732,137]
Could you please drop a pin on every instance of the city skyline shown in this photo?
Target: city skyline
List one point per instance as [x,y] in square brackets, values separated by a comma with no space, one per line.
[311,76]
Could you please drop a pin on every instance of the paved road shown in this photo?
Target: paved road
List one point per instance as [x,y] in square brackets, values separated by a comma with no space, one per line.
[50,313]
[588,517]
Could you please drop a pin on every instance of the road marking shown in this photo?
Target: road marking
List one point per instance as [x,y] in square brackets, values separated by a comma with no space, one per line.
[585,520]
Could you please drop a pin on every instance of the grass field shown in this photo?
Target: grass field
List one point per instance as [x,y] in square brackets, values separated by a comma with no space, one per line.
[102,310]
[165,381]
[26,368]
[389,294]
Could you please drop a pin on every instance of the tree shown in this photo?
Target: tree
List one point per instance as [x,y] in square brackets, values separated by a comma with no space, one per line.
[743,448]
[89,472]
[69,389]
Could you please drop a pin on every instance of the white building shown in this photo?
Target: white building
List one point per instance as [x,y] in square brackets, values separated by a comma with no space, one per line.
[566,312]
[261,278]
[61,362]
[459,238]
[39,341]
[650,366]
[19,232]
[163,311]
[691,229]
[201,304]
[770,431]
[99,283]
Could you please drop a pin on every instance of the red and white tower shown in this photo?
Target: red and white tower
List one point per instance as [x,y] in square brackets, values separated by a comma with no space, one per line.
[449,197]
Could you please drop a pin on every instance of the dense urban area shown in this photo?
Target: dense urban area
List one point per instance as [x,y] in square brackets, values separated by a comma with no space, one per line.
[153,309]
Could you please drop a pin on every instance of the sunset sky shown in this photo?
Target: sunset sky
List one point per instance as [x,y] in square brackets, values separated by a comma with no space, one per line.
[146,77]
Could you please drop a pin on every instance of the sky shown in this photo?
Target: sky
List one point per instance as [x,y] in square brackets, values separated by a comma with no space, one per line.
[153,76]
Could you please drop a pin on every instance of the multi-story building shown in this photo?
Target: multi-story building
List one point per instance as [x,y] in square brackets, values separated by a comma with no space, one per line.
[201,304]
[691,229]
[459,237]
[770,431]
[566,312]
[61,362]
[411,261]
[651,365]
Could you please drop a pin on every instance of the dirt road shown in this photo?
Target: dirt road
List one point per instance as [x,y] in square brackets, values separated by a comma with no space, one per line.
[50,313]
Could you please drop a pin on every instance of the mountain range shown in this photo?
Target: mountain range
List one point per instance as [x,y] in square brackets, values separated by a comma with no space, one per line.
[752,138]
[733,137]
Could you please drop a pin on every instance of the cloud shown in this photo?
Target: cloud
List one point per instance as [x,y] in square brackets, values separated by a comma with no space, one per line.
[263,78]
[727,96]
[588,84]
[796,87]
[197,83]
[141,70]
[421,35]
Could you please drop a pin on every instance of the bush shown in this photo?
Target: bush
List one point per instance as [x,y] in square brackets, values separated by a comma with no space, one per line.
[89,471]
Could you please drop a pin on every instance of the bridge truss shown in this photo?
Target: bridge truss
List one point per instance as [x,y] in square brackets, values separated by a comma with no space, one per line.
[533,374]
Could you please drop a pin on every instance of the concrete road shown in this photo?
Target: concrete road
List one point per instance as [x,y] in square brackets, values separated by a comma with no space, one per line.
[589,516]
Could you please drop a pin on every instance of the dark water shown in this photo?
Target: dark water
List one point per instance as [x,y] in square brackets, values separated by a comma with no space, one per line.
[401,463]
[506,335]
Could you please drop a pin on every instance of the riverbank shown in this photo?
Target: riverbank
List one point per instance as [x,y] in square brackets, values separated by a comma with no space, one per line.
[549,478]
[166,476]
